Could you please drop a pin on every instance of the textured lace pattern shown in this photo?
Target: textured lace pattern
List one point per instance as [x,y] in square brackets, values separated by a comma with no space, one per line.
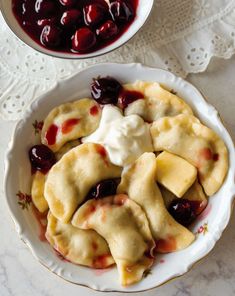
[180,36]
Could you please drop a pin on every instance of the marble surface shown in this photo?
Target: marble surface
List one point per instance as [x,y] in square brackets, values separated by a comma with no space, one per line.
[21,274]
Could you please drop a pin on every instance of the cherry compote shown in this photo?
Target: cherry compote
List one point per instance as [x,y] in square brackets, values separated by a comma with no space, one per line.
[73,26]
[41,158]
[105,90]
[126,97]
[121,11]
[103,189]
[183,210]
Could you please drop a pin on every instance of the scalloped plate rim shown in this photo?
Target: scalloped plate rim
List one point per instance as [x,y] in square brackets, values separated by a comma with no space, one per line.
[23,235]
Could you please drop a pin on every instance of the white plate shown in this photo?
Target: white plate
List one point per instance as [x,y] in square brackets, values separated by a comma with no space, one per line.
[143,11]
[212,221]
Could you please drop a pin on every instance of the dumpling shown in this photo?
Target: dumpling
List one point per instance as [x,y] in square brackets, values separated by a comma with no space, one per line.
[71,178]
[85,247]
[139,183]
[37,191]
[194,194]
[157,102]
[185,136]
[123,224]
[70,121]
[170,167]
[64,149]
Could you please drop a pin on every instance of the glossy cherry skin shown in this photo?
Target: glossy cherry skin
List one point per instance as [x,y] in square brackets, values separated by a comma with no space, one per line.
[83,40]
[45,8]
[71,18]
[94,14]
[127,97]
[34,15]
[51,36]
[120,11]
[103,189]
[41,158]
[47,21]
[68,3]
[108,30]
[182,211]
[105,90]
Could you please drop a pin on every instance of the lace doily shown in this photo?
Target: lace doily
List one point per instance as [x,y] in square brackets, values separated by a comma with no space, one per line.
[180,36]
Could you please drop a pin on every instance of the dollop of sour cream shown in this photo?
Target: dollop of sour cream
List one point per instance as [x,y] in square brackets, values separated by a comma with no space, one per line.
[125,138]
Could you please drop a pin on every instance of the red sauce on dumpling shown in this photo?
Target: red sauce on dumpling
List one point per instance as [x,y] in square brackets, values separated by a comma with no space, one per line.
[101,261]
[127,97]
[51,134]
[207,154]
[94,110]
[166,245]
[94,246]
[69,124]
[216,157]
[101,150]
[42,223]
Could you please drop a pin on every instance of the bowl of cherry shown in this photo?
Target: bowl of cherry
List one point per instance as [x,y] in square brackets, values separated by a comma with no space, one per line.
[75,28]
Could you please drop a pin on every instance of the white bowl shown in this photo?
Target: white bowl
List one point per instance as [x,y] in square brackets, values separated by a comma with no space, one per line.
[210,224]
[143,10]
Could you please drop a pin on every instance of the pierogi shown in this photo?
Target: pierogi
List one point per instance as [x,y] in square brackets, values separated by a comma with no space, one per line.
[185,136]
[37,191]
[120,221]
[70,121]
[123,175]
[85,247]
[142,188]
[195,194]
[70,179]
[157,102]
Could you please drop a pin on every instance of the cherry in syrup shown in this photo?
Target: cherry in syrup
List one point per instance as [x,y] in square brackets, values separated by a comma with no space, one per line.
[41,158]
[94,14]
[71,17]
[105,90]
[54,24]
[103,189]
[107,30]
[121,11]
[51,36]
[183,211]
[83,40]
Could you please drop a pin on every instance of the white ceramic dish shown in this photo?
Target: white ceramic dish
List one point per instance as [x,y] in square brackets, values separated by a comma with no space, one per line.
[143,10]
[209,226]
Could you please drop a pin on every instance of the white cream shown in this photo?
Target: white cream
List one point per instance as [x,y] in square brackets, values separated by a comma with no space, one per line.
[124,137]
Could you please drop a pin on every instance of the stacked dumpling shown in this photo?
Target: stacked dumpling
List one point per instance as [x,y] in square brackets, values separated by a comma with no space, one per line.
[101,213]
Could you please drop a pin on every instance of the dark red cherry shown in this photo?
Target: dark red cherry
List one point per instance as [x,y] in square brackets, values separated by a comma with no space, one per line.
[44,22]
[45,8]
[127,97]
[51,36]
[105,90]
[25,8]
[68,3]
[71,18]
[121,11]
[94,14]
[182,211]
[107,30]
[103,189]
[83,40]
[41,158]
